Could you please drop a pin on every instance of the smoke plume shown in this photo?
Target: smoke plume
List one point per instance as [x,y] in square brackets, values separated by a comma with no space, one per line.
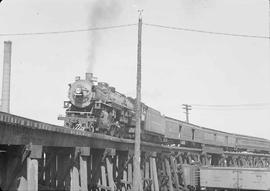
[102,13]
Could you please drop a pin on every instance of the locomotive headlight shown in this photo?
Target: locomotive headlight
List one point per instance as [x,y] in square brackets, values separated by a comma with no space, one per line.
[79,93]
[78,90]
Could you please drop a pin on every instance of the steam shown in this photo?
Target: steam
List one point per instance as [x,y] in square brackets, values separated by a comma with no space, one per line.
[102,13]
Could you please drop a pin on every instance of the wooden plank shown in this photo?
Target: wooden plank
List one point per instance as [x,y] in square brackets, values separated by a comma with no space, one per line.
[110,173]
[32,174]
[95,170]
[146,171]
[142,177]
[175,173]
[163,172]
[99,184]
[48,158]
[28,179]
[16,175]
[53,171]
[169,174]
[11,167]
[60,171]
[103,176]
[124,180]
[155,178]
[3,168]
[67,163]
[130,178]
[83,173]
[151,174]
[155,185]
[85,151]
[74,179]
[36,151]
[21,184]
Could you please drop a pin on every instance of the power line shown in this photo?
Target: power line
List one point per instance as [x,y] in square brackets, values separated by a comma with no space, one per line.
[234,105]
[231,109]
[128,25]
[207,32]
[254,106]
[66,31]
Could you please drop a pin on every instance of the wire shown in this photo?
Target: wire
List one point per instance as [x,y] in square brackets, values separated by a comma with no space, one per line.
[231,109]
[236,105]
[128,25]
[207,32]
[254,106]
[66,31]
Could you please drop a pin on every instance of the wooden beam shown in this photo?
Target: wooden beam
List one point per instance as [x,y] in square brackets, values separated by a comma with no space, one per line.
[169,174]
[175,173]
[154,175]
[110,173]
[83,173]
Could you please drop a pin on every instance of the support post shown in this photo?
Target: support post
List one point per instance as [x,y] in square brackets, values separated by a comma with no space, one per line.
[110,173]
[154,175]
[83,173]
[175,173]
[78,172]
[169,174]
[22,169]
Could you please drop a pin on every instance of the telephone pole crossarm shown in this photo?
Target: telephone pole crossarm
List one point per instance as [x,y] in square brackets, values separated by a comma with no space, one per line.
[187,108]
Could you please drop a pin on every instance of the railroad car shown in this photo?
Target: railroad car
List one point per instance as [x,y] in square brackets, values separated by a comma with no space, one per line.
[220,178]
[177,131]
[252,143]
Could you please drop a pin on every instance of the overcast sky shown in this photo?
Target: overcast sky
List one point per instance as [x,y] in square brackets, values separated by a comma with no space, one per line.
[178,66]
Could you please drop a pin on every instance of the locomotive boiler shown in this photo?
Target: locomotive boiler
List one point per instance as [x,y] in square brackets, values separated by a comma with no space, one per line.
[97,107]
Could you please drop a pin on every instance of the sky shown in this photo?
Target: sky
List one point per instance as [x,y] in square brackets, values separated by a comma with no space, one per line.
[178,67]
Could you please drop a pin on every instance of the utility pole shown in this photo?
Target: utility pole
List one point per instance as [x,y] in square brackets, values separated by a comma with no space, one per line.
[187,108]
[137,181]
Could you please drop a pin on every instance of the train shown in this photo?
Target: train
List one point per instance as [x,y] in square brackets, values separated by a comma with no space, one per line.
[97,107]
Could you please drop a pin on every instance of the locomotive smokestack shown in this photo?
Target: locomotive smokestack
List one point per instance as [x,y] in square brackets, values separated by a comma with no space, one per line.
[6,77]
[88,76]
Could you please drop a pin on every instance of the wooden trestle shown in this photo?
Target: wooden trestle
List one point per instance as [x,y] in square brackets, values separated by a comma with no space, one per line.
[38,156]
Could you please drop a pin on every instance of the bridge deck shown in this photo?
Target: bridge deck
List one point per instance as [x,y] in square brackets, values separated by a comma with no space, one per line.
[16,130]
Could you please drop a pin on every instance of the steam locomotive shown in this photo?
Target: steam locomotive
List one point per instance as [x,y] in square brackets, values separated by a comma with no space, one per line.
[97,107]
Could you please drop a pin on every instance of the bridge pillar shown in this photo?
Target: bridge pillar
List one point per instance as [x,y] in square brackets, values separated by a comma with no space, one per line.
[22,168]
[83,172]
[153,171]
[29,178]
[78,172]
[169,174]
[72,166]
